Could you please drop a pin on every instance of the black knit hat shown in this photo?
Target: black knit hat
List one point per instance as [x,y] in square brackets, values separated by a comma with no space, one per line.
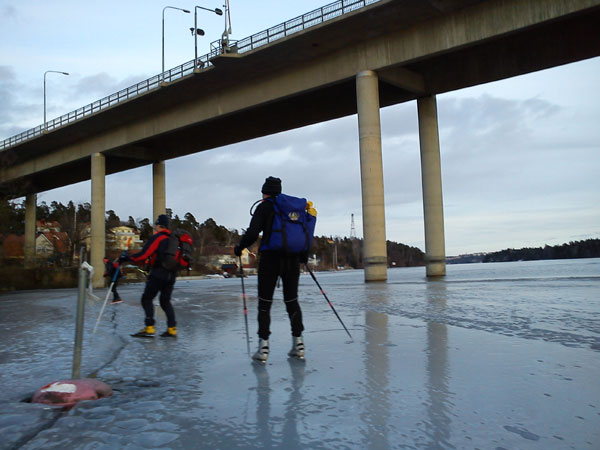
[163,221]
[272,186]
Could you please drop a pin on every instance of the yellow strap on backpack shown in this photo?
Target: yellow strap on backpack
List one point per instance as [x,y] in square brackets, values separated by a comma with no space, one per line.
[309,209]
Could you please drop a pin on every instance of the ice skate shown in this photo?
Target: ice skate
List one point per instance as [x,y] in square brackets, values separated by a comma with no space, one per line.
[262,353]
[297,350]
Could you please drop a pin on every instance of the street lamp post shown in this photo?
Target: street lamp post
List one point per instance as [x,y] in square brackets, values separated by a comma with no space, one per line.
[225,37]
[46,72]
[162,75]
[218,12]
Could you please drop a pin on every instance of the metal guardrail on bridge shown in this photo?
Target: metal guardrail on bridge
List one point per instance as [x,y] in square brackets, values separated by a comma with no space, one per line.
[300,23]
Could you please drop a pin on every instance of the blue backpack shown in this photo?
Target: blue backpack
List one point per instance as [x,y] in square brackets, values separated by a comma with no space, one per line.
[293,226]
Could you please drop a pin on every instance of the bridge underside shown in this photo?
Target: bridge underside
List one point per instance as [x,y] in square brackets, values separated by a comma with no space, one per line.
[572,38]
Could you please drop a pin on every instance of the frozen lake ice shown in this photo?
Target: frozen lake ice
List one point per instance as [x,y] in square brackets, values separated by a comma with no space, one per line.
[494,356]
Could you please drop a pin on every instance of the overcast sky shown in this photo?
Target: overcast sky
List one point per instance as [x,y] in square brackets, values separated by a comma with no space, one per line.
[520,157]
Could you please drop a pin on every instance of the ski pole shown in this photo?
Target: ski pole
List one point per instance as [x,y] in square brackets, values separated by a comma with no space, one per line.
[325,295]
[114,278]
[245,308]
[141,270]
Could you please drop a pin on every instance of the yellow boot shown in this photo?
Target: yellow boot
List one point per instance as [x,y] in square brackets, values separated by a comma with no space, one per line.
[171,332]
[147,331]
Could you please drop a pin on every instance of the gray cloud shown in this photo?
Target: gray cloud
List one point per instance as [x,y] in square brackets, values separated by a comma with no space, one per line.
[97,86]
[505,148]
[8,12]
[16,108]
[7,93]
[22,104]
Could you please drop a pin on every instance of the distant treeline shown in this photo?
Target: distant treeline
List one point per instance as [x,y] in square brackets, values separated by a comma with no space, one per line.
[349,253]
[209,237]
[589,248]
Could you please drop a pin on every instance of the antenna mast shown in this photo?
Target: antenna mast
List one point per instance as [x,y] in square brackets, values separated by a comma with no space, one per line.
[352,228]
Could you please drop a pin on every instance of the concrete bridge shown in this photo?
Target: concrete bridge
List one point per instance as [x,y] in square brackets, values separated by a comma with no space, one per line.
[335,63]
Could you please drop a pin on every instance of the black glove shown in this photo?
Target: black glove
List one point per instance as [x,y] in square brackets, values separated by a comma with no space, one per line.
[237,250]
[304,258]
[124,257]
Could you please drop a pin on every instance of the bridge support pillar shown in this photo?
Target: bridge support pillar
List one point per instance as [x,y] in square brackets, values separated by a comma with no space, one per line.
[371,176]
[30,231]
[159,190]
[431,177]
[98,229]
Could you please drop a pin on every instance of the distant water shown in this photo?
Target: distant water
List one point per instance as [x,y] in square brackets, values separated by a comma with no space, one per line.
[551,300]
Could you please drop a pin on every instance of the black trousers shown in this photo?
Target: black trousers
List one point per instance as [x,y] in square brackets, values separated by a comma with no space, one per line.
[116,295]
[271,266]
[165,287]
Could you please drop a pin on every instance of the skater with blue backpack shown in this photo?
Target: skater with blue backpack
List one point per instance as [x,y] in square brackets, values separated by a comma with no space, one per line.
[287,224]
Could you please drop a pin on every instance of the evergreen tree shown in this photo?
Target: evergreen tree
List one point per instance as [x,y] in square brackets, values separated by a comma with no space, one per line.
[112,220]
[589,248]
[131,223]
[42,211]
[145,228]
[12,217]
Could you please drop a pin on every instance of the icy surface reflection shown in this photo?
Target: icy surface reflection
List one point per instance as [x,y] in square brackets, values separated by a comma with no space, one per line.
[438,403]
[496,356]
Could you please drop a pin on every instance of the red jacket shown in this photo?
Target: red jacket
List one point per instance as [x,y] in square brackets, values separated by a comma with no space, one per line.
[153,251]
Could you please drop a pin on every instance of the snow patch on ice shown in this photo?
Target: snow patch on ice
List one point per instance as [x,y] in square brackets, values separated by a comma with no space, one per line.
[67,388]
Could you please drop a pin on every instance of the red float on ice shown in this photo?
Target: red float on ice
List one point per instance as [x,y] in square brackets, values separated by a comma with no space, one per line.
[69,392]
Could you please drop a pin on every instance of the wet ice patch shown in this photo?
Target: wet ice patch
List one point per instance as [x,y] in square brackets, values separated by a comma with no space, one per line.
[154,439]
[133,424]
[524,433]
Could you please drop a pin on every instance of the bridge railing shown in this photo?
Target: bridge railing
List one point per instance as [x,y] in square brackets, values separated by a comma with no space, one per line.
[295,25]
[300,23]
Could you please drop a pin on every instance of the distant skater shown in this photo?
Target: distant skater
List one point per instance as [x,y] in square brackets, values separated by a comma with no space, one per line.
[110,267]
[276,259]
[159,279]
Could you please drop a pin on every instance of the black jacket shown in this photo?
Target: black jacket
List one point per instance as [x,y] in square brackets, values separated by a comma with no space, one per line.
[262,221]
